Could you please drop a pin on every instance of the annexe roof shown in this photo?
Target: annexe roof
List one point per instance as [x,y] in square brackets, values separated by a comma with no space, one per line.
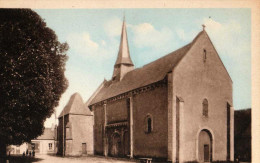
[48,134]
[75,106]
[148,74]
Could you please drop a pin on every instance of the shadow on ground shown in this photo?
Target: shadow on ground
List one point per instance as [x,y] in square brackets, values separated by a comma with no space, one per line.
[19,159]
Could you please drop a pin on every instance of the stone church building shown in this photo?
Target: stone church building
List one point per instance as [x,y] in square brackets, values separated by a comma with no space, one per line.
[178,108]
[77,135]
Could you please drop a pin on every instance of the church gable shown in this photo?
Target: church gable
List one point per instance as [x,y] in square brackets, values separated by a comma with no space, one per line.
[202,70]
[205,55]
[204,85]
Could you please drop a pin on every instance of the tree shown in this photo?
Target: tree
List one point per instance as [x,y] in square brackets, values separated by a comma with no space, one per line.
[242,134]
[32,80]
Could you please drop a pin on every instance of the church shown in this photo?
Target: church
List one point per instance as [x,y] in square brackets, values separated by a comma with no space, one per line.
[178,108]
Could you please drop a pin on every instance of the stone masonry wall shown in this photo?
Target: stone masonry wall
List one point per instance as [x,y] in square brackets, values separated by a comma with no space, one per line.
[196,79]
[153,103]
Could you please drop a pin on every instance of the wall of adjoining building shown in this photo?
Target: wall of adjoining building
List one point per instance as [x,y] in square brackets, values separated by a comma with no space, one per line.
[82,132]
[79,131]
[39,146]
[44,146]
[17,149]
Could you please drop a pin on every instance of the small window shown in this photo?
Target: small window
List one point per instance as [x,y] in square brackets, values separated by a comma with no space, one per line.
[205,108]
[204,55]
[148,124]
[50,146]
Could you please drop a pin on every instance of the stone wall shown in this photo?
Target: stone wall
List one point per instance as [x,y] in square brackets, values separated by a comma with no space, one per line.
[196,79]
[98,129]
[116,111]
[154,104]
[82,132]
[44,146]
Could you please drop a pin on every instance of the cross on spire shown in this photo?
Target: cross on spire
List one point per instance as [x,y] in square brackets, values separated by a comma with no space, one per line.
[203,26]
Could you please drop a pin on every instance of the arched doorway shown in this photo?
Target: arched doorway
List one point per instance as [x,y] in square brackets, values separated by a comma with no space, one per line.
[205,146]
[114,145]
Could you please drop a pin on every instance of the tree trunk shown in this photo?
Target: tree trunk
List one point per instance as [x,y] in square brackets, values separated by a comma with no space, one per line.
[2,149]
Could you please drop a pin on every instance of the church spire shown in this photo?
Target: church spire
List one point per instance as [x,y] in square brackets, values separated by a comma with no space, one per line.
[123,53]
[123,63]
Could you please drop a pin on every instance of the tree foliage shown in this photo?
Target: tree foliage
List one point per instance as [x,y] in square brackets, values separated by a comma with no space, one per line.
[242,135]
[32,65]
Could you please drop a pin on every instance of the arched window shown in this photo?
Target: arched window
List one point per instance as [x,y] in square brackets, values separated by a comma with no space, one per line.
[148,126]
[205,108]
[204,55]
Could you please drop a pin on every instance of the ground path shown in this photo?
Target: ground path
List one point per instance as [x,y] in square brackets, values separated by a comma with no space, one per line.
[91,159]
[56,159]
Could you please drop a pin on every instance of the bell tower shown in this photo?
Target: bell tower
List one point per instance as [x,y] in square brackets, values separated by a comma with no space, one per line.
[123,63]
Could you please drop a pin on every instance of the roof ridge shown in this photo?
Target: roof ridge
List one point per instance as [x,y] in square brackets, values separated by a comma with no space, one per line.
[171,53]
[145,75]
[175,51]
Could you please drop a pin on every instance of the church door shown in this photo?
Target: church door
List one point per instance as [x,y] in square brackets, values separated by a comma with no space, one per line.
[115,145]
[205,146]
[206,152]
[84,148]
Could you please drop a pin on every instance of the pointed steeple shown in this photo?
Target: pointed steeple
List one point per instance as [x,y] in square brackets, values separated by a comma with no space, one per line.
[123,53]
[123,63]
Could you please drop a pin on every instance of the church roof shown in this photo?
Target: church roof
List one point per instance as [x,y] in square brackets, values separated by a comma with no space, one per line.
[75,106]
[148,74]
[95,93]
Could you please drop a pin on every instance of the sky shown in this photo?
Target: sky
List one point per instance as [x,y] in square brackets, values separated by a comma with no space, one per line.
[94,36]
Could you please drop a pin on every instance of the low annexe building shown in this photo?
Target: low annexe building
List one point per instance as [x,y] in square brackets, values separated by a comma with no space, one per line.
[76,137]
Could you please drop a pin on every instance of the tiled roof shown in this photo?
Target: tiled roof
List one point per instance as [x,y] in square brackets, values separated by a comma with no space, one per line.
[75,106]
[48,134]
[148,74]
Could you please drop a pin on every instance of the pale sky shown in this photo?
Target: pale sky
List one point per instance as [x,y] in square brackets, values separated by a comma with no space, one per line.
[93,36]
